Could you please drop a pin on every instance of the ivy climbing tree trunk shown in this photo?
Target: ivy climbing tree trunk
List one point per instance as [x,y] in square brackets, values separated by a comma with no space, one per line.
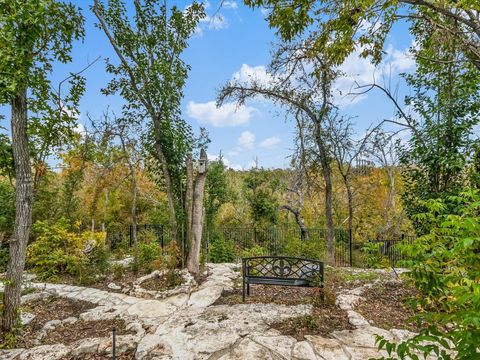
[23,211]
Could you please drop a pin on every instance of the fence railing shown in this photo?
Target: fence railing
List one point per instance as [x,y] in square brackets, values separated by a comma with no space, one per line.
[232,243]
[391,248]
[241,240]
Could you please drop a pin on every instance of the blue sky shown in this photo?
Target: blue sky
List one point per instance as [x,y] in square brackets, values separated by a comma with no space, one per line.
[236,41]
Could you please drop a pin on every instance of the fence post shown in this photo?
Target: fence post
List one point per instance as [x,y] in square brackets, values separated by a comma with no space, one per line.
[130,235]
[114,330]
[351,246]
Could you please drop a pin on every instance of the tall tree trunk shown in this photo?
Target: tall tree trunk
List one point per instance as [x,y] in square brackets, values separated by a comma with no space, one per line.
[326,172]
[23,211]
[188,205]
[169,189]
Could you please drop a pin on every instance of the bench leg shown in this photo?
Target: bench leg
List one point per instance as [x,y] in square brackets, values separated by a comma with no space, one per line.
[248,289]
[243,291]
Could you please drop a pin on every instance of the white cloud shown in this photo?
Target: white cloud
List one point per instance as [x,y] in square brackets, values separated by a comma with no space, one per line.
[80,129]
[247,140]
[226,162]
[229,114]
[229,4]
[265,12]
[400,61]
[216,22]
[248,74]
[270,142]
[361,71]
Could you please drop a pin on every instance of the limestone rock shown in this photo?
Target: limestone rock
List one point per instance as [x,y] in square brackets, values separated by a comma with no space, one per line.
[205,297]
[50,325]
[303,351]
[45,352]
[114,286]
[26,318]
[328,349]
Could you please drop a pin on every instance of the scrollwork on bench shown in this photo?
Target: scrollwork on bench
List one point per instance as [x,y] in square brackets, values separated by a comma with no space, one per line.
[281,270]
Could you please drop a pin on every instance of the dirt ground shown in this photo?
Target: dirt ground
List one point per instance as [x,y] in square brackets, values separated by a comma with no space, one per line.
[52,308]
[385,305]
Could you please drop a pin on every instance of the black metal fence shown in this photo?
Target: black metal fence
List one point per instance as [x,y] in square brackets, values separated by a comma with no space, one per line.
[230,244]
[243,240]
[392,248]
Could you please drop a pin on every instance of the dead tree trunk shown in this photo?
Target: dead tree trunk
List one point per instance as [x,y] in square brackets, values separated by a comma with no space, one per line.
[296,211]
[193,263]
[188,205]
[23,211]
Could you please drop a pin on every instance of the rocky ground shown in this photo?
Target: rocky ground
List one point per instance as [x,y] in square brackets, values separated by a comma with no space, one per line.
[188,322]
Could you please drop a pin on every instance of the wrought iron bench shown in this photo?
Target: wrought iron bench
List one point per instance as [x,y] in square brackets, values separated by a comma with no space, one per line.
[281,270]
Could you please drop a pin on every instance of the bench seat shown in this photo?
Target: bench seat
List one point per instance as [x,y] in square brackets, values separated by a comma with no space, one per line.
[282,271]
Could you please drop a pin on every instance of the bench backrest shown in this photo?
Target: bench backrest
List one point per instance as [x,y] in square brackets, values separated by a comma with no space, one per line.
[283,267]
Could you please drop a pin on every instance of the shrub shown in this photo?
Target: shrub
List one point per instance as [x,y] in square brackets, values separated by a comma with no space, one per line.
[256,250]
[57,250]
[173,262]
[308,248]
[149,256]
[373,257]
[221,250]
[444,266]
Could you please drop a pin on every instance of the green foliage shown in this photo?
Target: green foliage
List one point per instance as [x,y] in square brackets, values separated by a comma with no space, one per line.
[221,250]
[446,97]
[173,262]
[308,248]
[216,190]
[57,250]
[259,191]
[4,256]
[151,79]
[373,257]
[7,208]
[338,28]
[445,269]
[255,250]
[149,254]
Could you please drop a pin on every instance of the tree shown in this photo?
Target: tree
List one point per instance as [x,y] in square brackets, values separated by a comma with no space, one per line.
[197,217]
[307,97]
[295,206]
[345,151]
[446,101]
[335,29]
[33,35]
[151,74]
[129,135]
[216,190]
[384,149]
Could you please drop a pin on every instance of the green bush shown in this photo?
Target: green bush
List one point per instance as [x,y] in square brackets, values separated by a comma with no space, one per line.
[149,256]
[308,248]
[444,266]
[373,257]
[57,250]
[221,250]
[256,250]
